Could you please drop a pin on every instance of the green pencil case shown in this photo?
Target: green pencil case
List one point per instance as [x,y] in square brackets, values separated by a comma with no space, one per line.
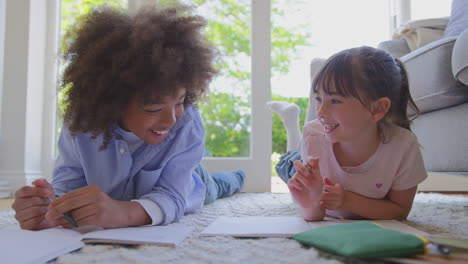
[362,239]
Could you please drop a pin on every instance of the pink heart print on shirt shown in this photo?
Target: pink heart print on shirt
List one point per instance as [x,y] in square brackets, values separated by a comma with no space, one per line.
[378,185]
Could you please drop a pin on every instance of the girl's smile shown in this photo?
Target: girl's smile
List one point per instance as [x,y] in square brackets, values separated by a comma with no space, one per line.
[344,119]
[328,126]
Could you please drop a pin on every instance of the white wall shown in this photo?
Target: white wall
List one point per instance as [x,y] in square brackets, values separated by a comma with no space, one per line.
[13,129]
[2,46]
[23,90]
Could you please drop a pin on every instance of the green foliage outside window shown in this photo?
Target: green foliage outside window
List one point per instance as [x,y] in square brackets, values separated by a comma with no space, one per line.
[71,10]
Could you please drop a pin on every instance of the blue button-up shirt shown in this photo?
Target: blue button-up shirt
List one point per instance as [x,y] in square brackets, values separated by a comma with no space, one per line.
[163,173]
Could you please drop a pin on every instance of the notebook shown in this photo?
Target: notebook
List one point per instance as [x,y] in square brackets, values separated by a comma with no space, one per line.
[25,246]
[284,226]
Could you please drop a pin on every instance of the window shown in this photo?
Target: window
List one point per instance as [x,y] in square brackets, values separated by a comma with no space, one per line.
[301,30]
[423,9]
[319,29]
[70,11]
[65,13]
[237,123]
[228,111]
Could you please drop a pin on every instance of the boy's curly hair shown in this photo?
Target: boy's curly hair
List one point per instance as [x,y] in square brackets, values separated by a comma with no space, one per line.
[114,57]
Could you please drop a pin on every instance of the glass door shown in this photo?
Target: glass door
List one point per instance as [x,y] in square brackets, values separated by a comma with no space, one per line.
[238,125]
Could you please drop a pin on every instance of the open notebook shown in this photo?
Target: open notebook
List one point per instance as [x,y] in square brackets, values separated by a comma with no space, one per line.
[284,226]
[24,246]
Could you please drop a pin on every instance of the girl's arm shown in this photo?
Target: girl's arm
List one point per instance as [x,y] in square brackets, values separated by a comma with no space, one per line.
[396,205]
[406,175]
[306,189]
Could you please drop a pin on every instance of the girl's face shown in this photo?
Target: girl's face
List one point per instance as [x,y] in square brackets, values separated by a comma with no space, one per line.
[344,119]
[152,121]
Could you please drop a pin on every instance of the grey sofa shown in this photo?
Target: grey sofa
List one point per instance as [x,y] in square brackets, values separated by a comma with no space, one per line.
[438,77]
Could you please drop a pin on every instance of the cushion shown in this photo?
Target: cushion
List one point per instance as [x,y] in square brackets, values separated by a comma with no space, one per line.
[315,66]
[460,58]
[458,18]
[421,32]
[431,80]
[396,47]
[362,239]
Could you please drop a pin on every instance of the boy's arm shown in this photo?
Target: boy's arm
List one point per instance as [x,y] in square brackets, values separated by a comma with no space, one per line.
[92,206]
[397,204]
[68,172]
[175,192]
[31,203]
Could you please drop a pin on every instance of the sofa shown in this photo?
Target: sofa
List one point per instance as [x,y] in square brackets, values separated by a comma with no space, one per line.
[438,78]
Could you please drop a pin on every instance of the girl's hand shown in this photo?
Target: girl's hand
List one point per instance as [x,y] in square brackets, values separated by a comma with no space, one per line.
[92,206]
[306,184]
[333,195]
[31,205]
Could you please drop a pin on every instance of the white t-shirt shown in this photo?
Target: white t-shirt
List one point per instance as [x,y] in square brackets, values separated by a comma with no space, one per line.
[396,165]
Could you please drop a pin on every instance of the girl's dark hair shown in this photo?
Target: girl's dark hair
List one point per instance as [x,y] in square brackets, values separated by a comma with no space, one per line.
[368,74]
[115,56]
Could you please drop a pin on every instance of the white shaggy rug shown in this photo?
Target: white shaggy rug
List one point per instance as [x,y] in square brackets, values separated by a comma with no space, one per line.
[433,213]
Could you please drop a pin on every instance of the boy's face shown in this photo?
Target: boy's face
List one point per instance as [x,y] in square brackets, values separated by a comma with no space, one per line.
[344,119]
[153,120]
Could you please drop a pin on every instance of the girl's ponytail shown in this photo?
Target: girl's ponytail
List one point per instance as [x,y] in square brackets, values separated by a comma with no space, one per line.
[404,100]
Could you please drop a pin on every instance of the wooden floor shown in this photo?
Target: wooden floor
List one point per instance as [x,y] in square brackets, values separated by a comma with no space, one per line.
[6,203]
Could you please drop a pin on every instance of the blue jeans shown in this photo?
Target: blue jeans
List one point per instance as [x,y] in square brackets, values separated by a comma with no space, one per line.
[220,184]
[285,168]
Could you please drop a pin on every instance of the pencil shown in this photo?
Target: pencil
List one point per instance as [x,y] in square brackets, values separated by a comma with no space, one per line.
[70,220]
[67,216]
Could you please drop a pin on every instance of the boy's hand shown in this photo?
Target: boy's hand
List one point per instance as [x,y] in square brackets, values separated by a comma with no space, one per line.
[31,204]
[333,196]
[92,206]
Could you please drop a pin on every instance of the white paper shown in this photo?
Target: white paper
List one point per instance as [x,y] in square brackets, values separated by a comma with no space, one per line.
[284,226]
[170,235]
[25,246]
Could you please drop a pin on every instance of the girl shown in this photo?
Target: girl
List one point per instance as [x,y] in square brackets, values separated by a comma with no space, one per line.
[361,159]
[133,139]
